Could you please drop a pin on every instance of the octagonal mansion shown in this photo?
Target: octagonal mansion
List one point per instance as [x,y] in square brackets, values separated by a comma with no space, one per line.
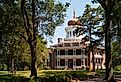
[72,52]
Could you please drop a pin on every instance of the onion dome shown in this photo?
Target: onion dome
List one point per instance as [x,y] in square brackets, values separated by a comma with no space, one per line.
[74,21]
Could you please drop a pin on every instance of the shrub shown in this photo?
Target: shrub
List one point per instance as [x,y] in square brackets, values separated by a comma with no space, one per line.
[26,68]
[88,68]
[46,68]
[3,67]
[118,68]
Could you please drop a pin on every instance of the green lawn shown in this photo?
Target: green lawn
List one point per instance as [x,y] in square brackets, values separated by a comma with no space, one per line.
[40,73]
[44,75]
[47,75]
[6,76]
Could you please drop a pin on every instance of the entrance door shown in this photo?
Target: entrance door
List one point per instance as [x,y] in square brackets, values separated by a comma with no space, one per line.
[70,63]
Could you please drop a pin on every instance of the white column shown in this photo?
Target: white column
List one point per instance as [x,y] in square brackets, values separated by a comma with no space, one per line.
[58,52]
[66,51]
[66,62]
[74,63]
[70,33]
[67,34]
[83,61]
[74,51]
[58,63]
[87,61]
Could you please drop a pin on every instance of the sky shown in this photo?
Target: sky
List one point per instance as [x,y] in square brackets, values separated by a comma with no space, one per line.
[78,6]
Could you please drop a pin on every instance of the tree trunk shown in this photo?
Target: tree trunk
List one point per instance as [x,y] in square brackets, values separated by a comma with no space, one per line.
[33,43]
[33,59]
[12,65]
[8,63]
[108,61]
[31,34]
[93,59]
[91,47]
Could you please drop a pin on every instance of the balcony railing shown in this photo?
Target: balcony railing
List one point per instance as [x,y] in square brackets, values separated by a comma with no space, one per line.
[72,56]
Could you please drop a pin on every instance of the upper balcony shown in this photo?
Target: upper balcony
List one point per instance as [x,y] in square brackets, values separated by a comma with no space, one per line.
[69,43]
[72,56]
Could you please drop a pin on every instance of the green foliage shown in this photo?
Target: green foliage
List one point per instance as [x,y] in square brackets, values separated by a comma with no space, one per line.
[13,36]
[93,28]
[92,20]
[118,68]
[116,35]
[10,26]
[59,76]
[3,66]
[109,8]
[42,52]
[51,14]
[116,53]
[46,68]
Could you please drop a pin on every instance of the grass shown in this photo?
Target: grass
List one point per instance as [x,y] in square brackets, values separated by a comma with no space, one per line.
[40,73]
[6,76]
[23,76]
[43,75]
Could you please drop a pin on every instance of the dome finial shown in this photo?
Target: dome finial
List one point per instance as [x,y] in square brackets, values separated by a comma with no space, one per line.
[74,14]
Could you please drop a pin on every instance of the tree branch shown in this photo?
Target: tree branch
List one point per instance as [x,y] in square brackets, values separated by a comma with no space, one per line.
[33,20]
[26,20]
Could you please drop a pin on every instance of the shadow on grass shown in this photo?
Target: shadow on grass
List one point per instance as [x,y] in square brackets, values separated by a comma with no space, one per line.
[48,77]
[10,78]
[64,76]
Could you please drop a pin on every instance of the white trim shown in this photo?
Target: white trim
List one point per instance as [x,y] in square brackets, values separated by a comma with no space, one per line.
[58,52]
[74,51]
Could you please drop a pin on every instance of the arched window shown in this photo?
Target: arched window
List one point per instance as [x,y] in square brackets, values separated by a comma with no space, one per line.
[70,33]
[73,33]
[67,34]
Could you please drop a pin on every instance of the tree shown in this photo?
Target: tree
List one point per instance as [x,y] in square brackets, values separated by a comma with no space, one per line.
[116,37]
[109,7]
[43,15]
[42,52]
[12,42]
[92,20]
[9,16]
